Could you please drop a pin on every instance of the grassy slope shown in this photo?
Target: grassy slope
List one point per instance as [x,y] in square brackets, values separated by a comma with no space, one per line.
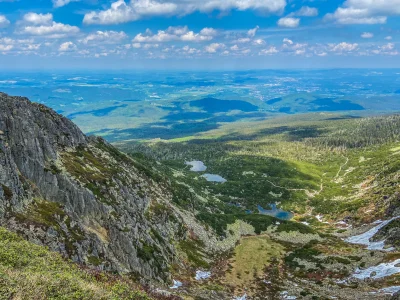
[28,271]
[250,258]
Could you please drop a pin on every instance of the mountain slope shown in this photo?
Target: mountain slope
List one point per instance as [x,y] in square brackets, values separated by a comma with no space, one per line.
[80,196]
[29,271]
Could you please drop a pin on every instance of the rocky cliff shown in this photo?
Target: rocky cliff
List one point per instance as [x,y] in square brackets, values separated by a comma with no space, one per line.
[80,196]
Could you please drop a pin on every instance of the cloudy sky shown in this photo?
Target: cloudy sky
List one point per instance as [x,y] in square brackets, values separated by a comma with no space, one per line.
[199,34]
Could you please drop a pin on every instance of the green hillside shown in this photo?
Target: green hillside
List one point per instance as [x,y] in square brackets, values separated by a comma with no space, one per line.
[28,271]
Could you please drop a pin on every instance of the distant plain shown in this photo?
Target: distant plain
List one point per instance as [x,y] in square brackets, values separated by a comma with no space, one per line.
[163,105]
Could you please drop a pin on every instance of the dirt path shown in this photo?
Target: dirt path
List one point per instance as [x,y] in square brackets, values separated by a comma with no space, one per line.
[341,167]
[308,193]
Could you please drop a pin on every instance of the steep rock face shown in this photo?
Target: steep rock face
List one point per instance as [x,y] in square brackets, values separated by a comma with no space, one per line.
[82,197]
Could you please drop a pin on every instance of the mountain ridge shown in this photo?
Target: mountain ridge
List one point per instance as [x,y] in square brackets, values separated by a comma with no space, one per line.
[80,196]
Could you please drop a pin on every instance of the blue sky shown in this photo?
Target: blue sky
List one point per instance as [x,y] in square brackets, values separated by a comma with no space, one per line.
[199,34]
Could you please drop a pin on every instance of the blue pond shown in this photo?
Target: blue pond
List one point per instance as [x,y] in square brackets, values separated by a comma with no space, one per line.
[275,212]
[197,166]
[214,178]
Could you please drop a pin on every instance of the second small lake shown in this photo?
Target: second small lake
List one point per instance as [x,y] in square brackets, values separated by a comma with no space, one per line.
[275,212]
[214,178]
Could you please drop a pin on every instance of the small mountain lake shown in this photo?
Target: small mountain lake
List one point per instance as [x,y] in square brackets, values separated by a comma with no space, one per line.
[214,178]
[197,166]
[275,212]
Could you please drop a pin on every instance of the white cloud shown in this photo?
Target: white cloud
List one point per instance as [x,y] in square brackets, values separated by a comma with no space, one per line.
[388,46]
[307,11]
[214,47]
[189,50]
[389,38]
[84,52]
[43,24]
[208,31]
[55,30]
[10,41]
[176,30]
[361,20]
[365,11]
[388,49]
[108,37]
[136,45]
[149,46]
[259,42]
[322,54]
[195,37]
[274,6]
[31,47]
[161,36]
[5,48]
[122,12]
[242,40]
[286,40]
[38,19]
[175,34]
[7,44]
[67,46]
[234,48]
[97,55]
[343,47]
[7,41]
[4,22]
[19,46]
[60,3]
[367,35]
[289,22]
[293,48]
[271,50]
[253,32]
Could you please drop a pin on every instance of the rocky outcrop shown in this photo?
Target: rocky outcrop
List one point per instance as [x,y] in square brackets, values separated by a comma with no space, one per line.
[82,197]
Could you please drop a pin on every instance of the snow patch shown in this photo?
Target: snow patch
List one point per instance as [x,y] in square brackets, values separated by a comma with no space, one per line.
[379,271]
[285,295]
[390,290]
[177,284]
[363,239]
[200,275]
[377,222]
[320,218]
